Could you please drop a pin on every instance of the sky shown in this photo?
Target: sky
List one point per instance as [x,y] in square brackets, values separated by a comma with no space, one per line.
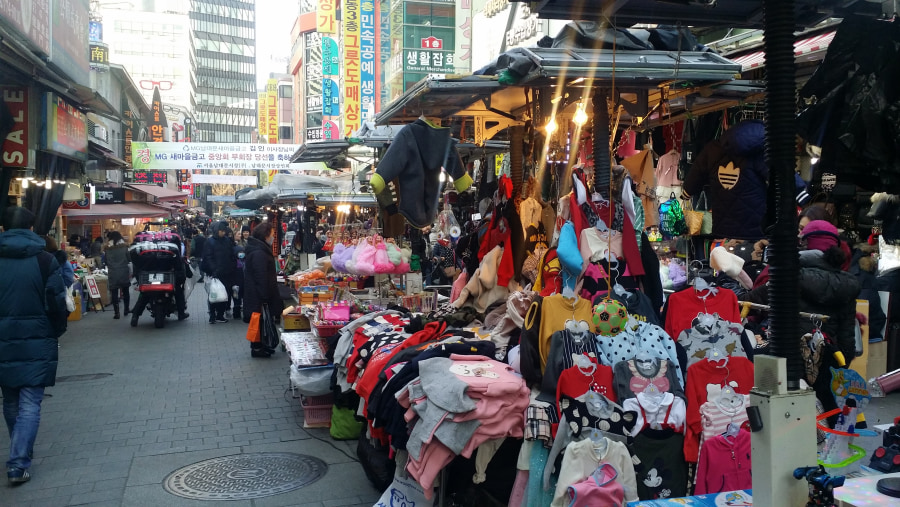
[274,20]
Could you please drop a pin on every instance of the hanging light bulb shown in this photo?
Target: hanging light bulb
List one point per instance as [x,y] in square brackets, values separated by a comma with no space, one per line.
[551,126]
[443,177]
[581,116]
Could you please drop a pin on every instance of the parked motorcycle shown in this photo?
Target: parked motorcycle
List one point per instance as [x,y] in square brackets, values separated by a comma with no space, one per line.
[155,257]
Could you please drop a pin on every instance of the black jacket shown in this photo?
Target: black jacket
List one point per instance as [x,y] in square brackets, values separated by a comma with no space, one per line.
[32,310]
[735,172]
[825,290]
[260,285]
[218,255]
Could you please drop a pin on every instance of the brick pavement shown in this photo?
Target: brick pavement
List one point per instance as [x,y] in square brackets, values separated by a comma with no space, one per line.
[176,396]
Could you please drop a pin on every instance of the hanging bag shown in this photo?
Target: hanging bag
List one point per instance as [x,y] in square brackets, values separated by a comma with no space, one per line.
[268,329]
[699,219]
[253,328]
[694,220]
[671,218]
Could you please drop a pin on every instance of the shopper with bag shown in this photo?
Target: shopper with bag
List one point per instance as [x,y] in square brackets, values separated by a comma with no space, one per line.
[219,262]
[262,301]
[117,260]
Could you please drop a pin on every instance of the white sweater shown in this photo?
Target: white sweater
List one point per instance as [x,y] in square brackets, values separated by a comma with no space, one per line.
[580,461]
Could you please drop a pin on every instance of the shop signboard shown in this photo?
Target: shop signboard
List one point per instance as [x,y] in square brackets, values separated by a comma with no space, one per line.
[224,179]
[428,60]
[15,146]
[99,56]
[158,122]
[463,38]
[331,57]
[261,129]
[313,102]
[251,157]
[384,53]
[69,46]
[149,177]
[331,98]
[326,19]
[82,204]
[95,31]
[31,18]
[501,25]
[331,130]
[367,56]
[272,111]
[351,14]
[314,134]
[65,128]
[109,195]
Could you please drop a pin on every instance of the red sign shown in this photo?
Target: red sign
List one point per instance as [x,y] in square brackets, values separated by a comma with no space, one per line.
[432,43]
[15,147]
[158,123]
[65,128]
[82,204]
[149,177]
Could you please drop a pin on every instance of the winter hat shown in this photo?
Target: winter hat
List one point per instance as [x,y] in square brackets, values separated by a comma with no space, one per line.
[820,235]
[245,228]
[722,260]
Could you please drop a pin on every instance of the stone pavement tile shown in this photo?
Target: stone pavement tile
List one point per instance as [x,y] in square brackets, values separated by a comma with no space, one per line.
[97,496]
[110,484]
[345,478]
[155,496]
[310,447]
[153,469]
[55,501]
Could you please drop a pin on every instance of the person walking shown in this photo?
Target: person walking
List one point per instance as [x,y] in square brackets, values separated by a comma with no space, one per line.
[97,252]
[220,262]
[68,272]
[119,271]
[260,283]
[198,242]
[32,318]
[245,235]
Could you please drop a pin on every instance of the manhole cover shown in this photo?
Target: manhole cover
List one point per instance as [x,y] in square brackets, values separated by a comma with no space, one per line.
[82,378]
[243,476]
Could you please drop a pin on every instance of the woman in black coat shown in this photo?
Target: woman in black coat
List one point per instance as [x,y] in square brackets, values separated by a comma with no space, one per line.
[260,284]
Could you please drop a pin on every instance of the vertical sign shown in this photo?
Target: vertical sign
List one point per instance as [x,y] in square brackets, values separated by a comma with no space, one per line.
[330,57]
[261,129]
[15,147]
[128,135]
[351,18]
[367,54]
[463,39]
[331,130]
[384,54]
[331,98]
[158,122]
[272,111]
[325,16]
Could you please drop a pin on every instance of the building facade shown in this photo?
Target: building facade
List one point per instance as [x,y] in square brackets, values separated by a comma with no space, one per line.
[223,68]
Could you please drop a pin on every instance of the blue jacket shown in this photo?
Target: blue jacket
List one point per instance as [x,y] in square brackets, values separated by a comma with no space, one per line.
[32,310]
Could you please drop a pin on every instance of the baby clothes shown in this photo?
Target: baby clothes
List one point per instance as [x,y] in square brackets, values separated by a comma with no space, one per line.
[724,465]
[581,413]
[643,337]
[563,346]
[633,376]
[600,489]
[684,306]
[715,417]
[582,459]
[576,381]
[659,467]
[705,377]
[656,412]
[719,333]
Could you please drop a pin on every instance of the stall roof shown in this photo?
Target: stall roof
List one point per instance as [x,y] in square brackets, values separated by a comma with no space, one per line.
[726,13]
[369,134]
[126,210]
[160,193]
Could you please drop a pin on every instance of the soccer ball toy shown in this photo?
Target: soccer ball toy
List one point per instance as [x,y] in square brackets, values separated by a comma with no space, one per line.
[610,317]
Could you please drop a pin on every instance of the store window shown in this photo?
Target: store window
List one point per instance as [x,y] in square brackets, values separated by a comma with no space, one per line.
[429,14]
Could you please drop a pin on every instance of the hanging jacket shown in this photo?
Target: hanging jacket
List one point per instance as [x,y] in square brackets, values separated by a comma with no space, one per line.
[32,310]
[414,160]
[734,169]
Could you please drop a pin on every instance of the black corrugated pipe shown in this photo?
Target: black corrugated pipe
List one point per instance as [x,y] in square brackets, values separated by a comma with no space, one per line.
[516,156]
[600,138]
[784,262]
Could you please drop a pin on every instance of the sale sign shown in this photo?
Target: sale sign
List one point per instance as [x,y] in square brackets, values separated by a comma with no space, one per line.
[15,146]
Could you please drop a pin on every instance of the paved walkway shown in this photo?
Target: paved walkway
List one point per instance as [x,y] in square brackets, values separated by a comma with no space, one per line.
[175,396]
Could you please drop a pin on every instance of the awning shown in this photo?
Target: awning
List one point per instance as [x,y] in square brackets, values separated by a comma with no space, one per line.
[808,49]
[170,207]
[126,210]
[100,153]
[160,193]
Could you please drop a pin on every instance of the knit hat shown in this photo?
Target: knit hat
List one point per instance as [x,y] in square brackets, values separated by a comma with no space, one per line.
[820,235]
[722,260]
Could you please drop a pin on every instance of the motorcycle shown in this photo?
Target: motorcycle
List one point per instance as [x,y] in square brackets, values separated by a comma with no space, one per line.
[155,257]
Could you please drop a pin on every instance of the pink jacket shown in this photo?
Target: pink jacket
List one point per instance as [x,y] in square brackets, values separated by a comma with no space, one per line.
[724,465]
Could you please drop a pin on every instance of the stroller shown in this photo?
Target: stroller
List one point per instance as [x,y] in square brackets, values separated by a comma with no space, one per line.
[157,262]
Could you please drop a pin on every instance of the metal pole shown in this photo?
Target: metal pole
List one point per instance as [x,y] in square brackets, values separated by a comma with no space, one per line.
[516,154]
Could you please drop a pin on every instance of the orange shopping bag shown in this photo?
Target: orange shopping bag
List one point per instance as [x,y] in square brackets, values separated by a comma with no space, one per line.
[253,328]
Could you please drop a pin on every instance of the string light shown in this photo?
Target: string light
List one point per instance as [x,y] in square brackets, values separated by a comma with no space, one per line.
[581,116]
[551,126]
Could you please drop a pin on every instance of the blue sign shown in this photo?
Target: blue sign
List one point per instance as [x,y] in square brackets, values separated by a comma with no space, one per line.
[331,57]
[331,98]
[95,31]
[385,55]
[367,52]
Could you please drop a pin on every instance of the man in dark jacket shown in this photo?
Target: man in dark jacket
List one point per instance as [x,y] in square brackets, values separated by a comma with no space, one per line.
[32,318]
[219,261]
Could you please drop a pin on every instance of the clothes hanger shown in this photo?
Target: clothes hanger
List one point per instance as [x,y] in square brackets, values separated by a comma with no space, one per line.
[653,393]
[714,355]
[585,366]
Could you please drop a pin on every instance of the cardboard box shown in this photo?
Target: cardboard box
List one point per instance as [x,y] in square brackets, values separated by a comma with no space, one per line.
[877,360]
[294,321]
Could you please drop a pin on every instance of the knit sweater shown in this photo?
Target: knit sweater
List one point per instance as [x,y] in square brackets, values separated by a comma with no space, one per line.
[682,307]
[563,345]
[707,377]
[659,464]
[554,312]
[580,461]
[724,465]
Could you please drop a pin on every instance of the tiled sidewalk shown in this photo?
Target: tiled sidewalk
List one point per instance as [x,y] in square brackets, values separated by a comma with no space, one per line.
[175,396]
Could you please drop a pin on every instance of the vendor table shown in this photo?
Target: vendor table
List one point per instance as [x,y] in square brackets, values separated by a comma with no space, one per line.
[861,492]
[741,498]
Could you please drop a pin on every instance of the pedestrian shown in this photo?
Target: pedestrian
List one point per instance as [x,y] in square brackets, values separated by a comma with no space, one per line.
[245,235]
[97,252]
[260,283]
[118,271]
[197,244]
[237,292]
[220,262]
[68,271]
[32,318]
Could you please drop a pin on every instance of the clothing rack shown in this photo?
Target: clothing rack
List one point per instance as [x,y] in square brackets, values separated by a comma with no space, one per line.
[756,306]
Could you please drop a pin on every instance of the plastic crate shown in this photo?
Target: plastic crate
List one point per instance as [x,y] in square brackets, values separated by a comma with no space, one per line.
[326,330]
[317,411]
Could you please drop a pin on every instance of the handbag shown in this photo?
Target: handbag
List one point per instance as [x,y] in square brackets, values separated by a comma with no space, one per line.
[268,333]
[702,214]
[253,328]
[671,218]
[694,221]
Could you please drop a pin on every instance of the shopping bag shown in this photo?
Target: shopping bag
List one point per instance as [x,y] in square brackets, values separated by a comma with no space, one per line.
[216,290]
[70,299]
[253,328]
[268,333]
[703,207]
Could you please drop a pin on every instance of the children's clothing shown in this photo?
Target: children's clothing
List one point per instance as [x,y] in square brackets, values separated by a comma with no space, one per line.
[665,411]
[659,464]
[599,490]
[724,465]
[580,461]
[633,376]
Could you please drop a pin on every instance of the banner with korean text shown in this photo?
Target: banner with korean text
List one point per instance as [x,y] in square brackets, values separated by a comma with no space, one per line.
[326,20]
[261,128]
[272,111]
[251,157]
[367,54]
[351,18]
